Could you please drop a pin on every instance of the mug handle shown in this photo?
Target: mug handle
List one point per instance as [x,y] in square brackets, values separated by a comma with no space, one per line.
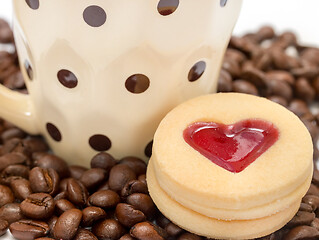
[18,109]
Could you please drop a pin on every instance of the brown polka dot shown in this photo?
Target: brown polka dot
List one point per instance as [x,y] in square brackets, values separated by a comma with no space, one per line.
[137,83]
[167,7]
[100,142]
[196,71]
[28,69]
[223,3]
[94,16]
[54,132]
[67,78]
[34,4]
[148,149]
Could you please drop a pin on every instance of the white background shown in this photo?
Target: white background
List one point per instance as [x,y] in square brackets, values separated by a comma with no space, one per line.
[300,16]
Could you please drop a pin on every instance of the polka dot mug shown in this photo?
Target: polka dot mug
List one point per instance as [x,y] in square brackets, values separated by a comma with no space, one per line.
[102,74]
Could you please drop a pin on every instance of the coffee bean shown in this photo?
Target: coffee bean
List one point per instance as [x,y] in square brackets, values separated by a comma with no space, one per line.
[63,205]
[311,200]
[225,82]
[92,178]
[305,208]
[280,88]
[127,237]
[128,215]
[44,238]
[315,223]
[134,186]
[305,72]
[143,203]
[301,233]
[21,188]
[61,195]
[105,199]
[304,90]
[76,192]
[313,190]
[11,212]
[6,195]
[190,236]
[298,107]
[282,61]
[142,178]
[29,229]
[4,225]
[104,186]
[35,144]
[235,55]
[108,229]
[54,162]
[266,32]
[12,159]
[242,44]
[91,215]
[64,184]
[103,160]
[147,231]
[162,221]
[278,99]
[136,164]
[67,224]
[279,75]
[12,172]
[232,67]
[44,180]
[315,178]
[120,175]
[83,234]
[77,171]
[173,230]
[6,35]
[243,86]
[301,218]
[312,128]
[38,206]
[51,222]
[310,55]
[12,133]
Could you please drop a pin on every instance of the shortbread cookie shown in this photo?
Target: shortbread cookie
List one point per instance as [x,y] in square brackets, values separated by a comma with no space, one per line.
[232,156]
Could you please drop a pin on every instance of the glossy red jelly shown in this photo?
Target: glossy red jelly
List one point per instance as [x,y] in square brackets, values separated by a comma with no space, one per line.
[232,147]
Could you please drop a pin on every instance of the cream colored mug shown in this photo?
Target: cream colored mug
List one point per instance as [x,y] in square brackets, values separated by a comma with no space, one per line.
[102,74]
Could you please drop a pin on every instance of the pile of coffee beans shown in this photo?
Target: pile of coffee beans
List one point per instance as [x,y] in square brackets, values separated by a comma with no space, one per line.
[41,197]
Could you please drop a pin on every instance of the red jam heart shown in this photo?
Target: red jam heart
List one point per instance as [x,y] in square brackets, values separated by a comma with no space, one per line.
[232,147]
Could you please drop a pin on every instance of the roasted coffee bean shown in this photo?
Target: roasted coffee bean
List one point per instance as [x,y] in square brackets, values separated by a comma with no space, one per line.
[305,72]
[173,230]
[313,190]
[52,161]
[6,35]
[243,86]
[143,203]
[63,205]
[108,229]
[298,107]
[265,32]
[35,144]
[4,225]
[242,44]
[278,99]
[103,160]
[134,186]
[104,186]
[83,234]
[311,55]
[312,200]
[148,231]
[21,188]
[11,212]
[304,90]
[232,67]
[142,178]
[280,88]
[282,61]
[67,224]
[302,218]
[315,178]
[190,236]
[120,175]
[92,178]
[51,222]
[235,55]
[315,223]
[312,128]
[12,172]
[225,82]
[44,180]
[136,164]
[12,159]
[76,192]
[127,237]
[305,208]
[254,76]
[128,215]
[44,238]
[61,195]
[6,195]
[279,75]
[162,221]
[91,215]
[302,233]
[64,184]
[12,133]
[29,229]
[105,199]
[38,206]
[77,171]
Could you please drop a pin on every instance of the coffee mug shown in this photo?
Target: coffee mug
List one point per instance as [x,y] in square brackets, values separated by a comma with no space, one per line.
[102,75]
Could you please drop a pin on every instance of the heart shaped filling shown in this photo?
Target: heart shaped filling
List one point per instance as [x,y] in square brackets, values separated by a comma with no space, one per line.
[232,147]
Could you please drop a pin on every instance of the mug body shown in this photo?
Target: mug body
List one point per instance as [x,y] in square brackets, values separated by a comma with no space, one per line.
[102,75]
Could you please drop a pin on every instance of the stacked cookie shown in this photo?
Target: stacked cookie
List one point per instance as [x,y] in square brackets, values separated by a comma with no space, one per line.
[230,166]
